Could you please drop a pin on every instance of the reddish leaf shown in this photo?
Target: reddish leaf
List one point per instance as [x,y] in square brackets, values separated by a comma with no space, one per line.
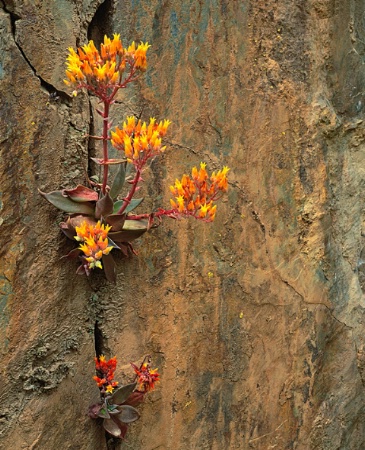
[81,194]
[135,399]
[94,410]
[76,220]
[124,248]
[116,221]
[68,229]
[101,162]
[73,254]
[109,268]
[104,206]
[121,394]
[57,199]
[128,414]
[112,427]
[81,270]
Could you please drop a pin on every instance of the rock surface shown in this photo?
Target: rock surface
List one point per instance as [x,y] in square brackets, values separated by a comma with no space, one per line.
[255,321]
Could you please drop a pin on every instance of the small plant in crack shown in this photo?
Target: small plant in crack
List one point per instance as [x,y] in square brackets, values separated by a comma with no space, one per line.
[101,215]
[118,405]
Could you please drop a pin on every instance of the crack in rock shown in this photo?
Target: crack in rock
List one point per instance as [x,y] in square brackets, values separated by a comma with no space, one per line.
[52,90]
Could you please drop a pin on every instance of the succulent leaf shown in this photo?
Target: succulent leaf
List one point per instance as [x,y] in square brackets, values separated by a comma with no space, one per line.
[94,410]
[68,229]
[116,221]
[57,199]
[103,412]
[81,194]
[129,233]
[101,162]
[135,225]
[133,204]
[121,394]
[112,427]
[135,399]
[110,269]
[128,414]
[104,206]
[118,182]
[73,254]
[117,205]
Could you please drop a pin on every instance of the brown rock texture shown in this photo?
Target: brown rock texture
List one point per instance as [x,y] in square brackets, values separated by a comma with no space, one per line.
[255,321]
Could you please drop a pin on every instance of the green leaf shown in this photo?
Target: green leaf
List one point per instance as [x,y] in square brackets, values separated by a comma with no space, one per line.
[94,178]
[112,427]
[132,205]
[103,412]
[117,206]
[81,194]
[118,181]
[121,394]
[104,206]
[135,224]
[132,229]
[128,414]
[66,204]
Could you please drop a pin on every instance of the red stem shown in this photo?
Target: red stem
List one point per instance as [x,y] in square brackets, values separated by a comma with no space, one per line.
[129,197]
[105,143]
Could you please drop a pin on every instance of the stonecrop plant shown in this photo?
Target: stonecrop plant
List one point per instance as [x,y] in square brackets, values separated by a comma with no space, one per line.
[117,406]
[100,216]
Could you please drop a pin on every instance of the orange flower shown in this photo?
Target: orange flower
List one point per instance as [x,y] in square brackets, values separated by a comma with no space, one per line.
[102,71]
[195,196]
[147,377]
[94,242]
[105,370]
[140,141]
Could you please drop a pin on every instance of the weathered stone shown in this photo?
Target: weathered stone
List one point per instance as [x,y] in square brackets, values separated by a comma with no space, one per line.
[255,321]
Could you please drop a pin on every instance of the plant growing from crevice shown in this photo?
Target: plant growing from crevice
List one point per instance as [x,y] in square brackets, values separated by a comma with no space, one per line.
[117,406]
[100,215]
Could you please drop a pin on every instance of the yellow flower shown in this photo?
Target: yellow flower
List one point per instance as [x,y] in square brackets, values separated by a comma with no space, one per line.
[138,140]
[195,196]
[109,389]
[102,71]
[94,242]
[140,56]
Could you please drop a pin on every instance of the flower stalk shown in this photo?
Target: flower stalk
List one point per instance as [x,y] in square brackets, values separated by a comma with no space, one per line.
[105,144]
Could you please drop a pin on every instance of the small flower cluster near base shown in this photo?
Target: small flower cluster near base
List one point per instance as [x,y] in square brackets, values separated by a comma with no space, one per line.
[117,407]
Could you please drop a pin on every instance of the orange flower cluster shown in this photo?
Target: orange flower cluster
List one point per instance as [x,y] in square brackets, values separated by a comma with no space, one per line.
[106,371]
[95,242]
[140,141]
[147,377]
[195,196]
[102,70]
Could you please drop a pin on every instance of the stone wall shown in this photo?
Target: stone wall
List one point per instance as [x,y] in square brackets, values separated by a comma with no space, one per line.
[255,321]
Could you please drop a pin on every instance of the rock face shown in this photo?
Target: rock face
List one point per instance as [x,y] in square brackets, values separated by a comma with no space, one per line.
[255,321]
